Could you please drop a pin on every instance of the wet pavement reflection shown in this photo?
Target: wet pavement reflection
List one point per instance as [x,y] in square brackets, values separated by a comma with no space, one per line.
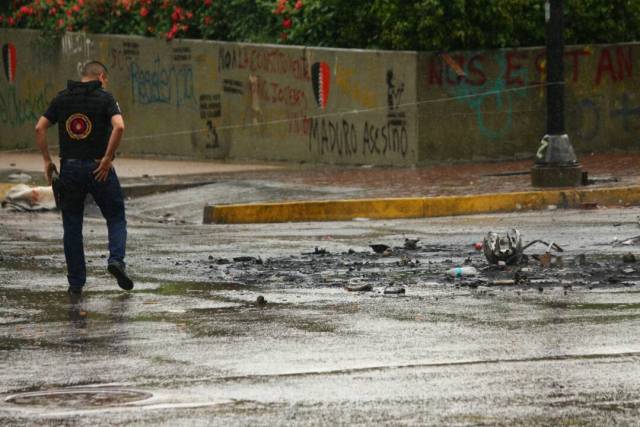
[273,324]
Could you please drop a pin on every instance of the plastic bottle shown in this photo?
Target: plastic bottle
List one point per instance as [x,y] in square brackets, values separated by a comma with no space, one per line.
[462,271]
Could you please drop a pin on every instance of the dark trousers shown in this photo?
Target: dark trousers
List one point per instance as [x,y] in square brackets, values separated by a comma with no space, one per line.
[76,178]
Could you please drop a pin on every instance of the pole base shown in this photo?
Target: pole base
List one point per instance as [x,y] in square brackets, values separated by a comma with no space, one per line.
[556,176]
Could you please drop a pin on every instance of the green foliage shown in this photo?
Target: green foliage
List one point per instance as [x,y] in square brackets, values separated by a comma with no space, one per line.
[431,25]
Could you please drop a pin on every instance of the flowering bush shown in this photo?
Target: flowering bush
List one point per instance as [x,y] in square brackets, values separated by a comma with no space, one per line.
[387,24]
[217,19]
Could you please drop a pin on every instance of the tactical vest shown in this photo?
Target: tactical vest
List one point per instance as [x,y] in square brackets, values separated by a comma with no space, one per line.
[83,112]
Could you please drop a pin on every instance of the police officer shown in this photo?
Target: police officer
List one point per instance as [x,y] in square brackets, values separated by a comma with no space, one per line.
[90,127]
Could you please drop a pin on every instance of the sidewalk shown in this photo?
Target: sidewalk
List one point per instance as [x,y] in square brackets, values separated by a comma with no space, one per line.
[384,183]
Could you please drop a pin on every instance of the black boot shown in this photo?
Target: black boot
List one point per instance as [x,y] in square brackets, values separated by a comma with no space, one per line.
[117,269]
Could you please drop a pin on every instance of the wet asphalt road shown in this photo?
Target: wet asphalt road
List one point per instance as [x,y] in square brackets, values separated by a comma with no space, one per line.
[559,350]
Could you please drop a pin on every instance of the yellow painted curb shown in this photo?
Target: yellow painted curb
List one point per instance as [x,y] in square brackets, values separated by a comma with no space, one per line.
[421,207]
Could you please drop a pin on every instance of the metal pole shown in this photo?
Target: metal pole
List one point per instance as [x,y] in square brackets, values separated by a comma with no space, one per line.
[555,66]
[556,163]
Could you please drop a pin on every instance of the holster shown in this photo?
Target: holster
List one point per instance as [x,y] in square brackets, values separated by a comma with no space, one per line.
[56,185]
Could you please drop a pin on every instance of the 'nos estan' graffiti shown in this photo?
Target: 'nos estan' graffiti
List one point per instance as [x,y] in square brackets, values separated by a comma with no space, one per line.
[489,82]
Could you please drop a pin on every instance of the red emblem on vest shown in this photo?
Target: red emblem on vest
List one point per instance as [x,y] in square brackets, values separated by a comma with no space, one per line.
[78,126]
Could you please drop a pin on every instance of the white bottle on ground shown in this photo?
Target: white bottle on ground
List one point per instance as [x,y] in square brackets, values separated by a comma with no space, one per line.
[462,271]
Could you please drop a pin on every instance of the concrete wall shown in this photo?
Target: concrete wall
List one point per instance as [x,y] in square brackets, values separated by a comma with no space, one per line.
[497,108]
[222,100]
[218,100]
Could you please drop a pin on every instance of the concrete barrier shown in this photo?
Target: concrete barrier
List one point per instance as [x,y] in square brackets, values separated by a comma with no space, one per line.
[214,100]
[419,207]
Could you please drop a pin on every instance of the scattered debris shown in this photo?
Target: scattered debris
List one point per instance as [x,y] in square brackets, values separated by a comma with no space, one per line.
[550,246]
[548,260]
[387,252]
[394,290]
[379,248]
[359,287]
[19,177]
[629,258]
[478,246]
[245,259]
[630,241]
[22,197]
[504,282]
[462,271]
[601,180]
[507,248]
[261,301]
[411,244]
[589,205]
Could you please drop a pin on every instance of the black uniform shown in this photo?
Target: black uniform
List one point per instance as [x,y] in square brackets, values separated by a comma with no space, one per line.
[83,112]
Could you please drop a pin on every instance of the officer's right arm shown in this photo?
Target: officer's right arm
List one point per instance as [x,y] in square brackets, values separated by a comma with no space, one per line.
[41,139]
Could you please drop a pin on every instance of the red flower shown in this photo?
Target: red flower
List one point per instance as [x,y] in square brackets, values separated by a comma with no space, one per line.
[208,2]
[60,23]
[53,11]
[81,2]
[189,15]
[69,12]
[298,5]
[25,10]
[76,8]
[1,19]
[11,21]
[282,4]
[208,20]
[172,32]
[144,11]
[177,14]
[287,23]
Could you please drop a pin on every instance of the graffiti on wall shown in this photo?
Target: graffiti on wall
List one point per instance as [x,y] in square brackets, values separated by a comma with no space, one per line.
[121,56]
[486,96]
[9,62]
[25,105]
[347,138]
[488,83]
[77,44]
[353,88]
[231,86]
[263,61]
[321,83]
[162,84]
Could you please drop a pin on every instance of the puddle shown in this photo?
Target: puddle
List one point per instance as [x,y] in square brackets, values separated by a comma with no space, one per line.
[85,397]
